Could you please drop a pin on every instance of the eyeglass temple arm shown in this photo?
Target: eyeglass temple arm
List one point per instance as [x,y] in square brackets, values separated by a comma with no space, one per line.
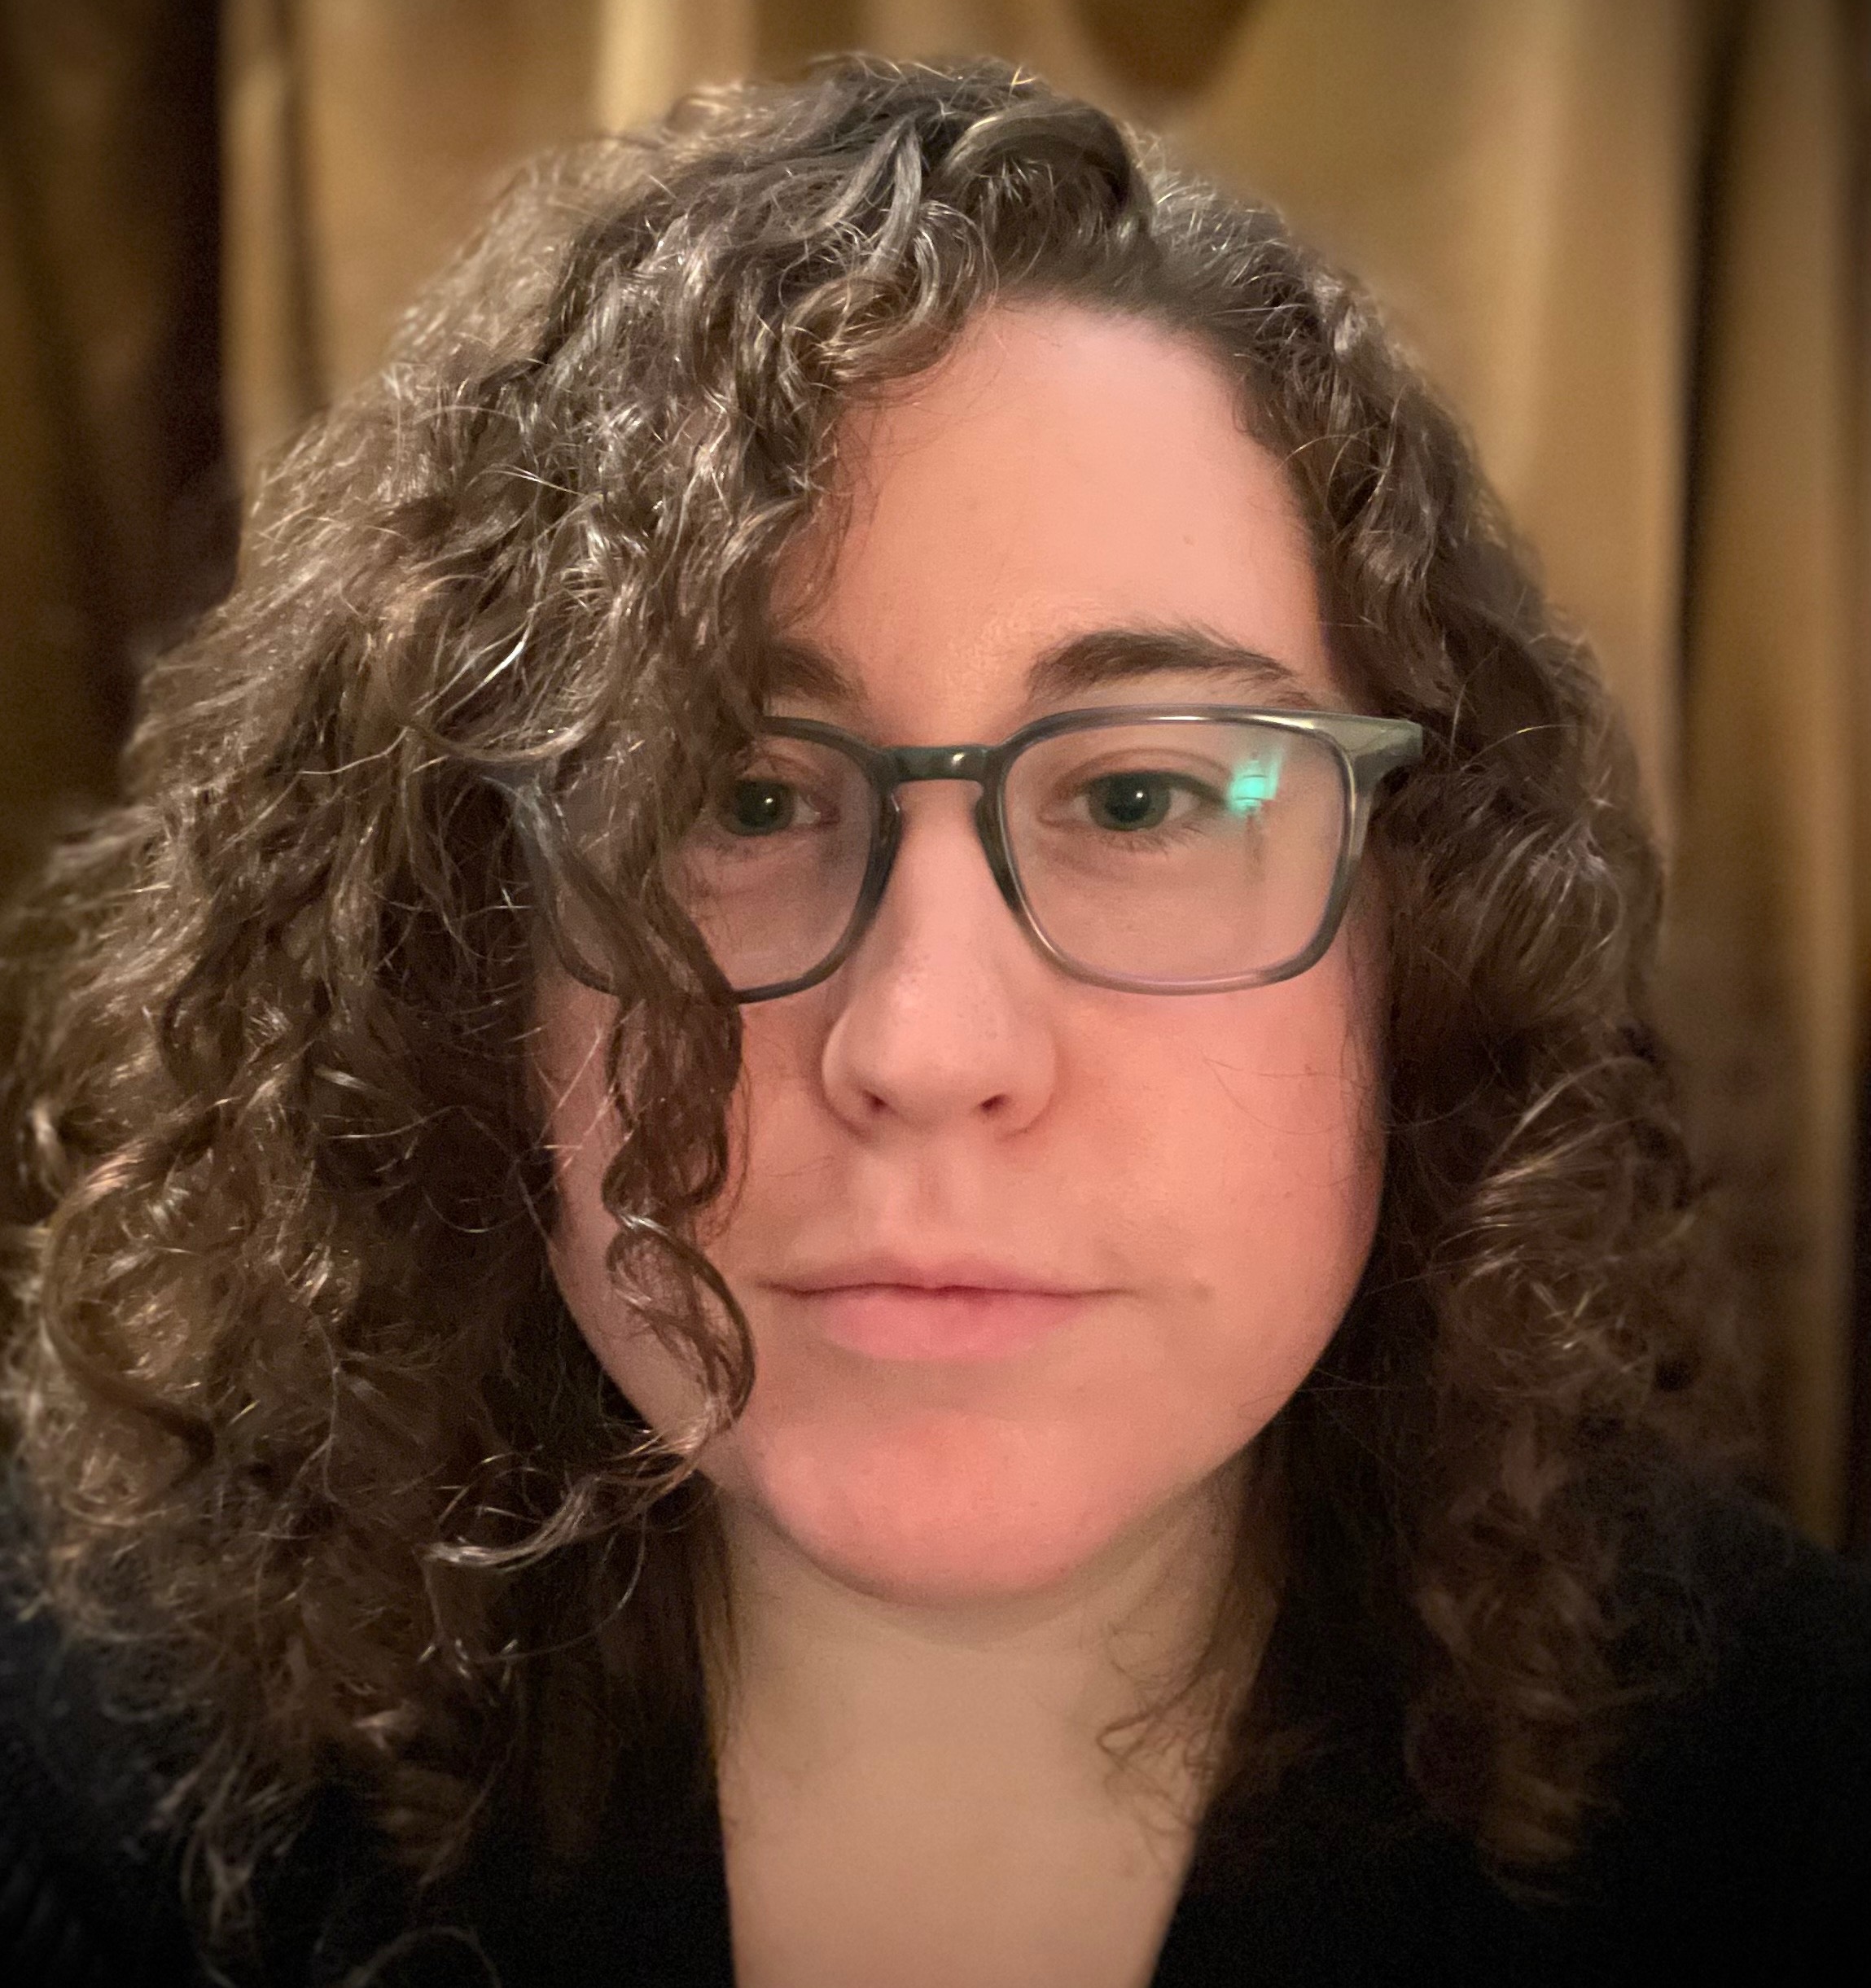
[1391,744]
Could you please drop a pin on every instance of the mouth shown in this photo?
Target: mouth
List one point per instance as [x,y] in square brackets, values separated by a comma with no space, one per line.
[890,1310]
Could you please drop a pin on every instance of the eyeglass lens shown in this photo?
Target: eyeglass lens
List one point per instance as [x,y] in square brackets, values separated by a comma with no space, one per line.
[1170,853]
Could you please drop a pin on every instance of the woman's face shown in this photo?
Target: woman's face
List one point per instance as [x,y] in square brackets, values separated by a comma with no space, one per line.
[1026,1261]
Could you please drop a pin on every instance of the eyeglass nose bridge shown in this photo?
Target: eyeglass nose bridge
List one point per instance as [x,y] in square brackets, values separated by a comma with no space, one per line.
[903,766]
[909,763]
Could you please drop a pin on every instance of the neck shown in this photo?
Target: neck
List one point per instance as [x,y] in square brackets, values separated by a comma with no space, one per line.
[1091,1692]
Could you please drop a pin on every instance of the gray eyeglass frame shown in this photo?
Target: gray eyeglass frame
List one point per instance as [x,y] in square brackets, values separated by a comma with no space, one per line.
[1367,750]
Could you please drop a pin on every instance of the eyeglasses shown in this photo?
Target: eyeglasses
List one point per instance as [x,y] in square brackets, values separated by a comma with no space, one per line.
[1164,851]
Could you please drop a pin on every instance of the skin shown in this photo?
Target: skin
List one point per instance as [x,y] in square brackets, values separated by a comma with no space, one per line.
[949,1576]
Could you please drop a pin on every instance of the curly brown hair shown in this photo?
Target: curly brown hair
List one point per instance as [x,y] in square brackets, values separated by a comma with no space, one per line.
[300,1417]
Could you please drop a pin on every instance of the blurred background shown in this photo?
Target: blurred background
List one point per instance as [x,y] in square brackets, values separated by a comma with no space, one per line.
[1630,239]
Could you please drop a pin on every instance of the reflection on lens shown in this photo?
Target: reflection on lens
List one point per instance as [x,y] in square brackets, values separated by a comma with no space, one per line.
[1256,782]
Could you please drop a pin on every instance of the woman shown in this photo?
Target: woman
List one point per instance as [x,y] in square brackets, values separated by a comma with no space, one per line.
[847,1172]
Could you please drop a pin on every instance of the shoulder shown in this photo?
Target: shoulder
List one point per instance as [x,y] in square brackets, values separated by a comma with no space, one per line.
[1739,1824]
[1734,1840]
[90,1880]
[1777,1643]
[87,1891]
[90,1888]
[91,1884]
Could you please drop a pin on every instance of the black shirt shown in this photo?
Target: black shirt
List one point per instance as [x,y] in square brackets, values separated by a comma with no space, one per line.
[1737,1849]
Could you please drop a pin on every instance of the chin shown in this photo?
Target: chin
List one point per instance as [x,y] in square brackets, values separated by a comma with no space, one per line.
[960,1509]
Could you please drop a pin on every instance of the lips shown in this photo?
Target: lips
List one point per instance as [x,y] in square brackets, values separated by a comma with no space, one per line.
[960,1309]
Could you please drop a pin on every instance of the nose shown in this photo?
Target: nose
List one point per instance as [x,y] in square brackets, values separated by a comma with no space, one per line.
[944,1013]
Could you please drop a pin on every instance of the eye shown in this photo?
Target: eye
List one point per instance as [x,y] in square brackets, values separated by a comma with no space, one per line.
[759,807]
[1133,801]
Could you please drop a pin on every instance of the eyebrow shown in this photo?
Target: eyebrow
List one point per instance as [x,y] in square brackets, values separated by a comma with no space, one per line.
[1103,657]
[1095,660]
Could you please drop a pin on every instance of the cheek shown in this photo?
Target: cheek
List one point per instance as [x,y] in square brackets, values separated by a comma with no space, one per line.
[1269,1138]
[1256,1130]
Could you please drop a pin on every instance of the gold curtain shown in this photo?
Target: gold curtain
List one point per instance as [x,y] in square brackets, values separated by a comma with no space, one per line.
[113,513]
[1633,243]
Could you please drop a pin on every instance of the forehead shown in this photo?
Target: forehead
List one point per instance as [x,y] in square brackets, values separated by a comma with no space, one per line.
[1060,473]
